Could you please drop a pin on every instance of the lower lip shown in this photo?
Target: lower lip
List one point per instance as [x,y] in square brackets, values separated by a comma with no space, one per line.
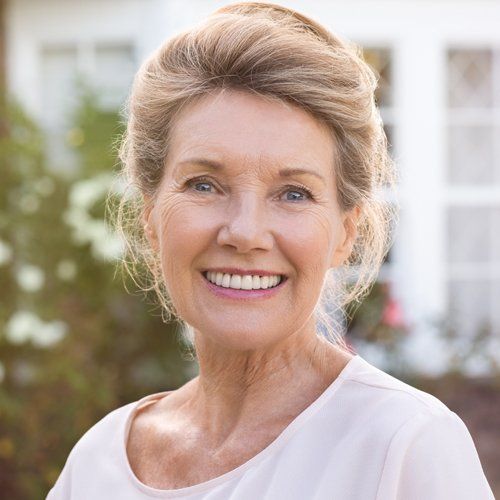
[231,293]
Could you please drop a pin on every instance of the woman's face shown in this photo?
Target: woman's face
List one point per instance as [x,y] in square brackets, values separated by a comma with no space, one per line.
[248,190]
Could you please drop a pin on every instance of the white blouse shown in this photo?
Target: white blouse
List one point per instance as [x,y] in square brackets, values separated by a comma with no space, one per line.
[368,436]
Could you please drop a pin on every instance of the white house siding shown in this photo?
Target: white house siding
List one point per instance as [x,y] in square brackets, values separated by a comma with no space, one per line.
[446,259]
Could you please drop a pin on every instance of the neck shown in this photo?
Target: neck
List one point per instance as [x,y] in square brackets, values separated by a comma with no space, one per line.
[238,390]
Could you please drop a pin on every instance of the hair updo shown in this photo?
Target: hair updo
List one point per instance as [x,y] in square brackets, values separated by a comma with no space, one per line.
[275,52]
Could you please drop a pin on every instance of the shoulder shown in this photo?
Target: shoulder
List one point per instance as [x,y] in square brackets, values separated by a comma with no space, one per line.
[93,453]
[378,391]
[433,456]
[107,436]
[370,407]
[104,434]
[429,450]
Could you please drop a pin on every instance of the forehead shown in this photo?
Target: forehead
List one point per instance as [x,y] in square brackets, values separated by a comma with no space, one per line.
[251,130]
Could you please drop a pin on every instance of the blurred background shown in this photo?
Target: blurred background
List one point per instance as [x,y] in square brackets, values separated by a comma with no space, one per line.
[74,344]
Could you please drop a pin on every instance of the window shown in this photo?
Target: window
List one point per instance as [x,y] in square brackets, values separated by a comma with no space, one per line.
[108,68]
[59,72]
[113,72]
[473,178]
[380,59]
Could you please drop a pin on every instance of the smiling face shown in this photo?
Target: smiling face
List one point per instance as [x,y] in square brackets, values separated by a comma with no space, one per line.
[249,187]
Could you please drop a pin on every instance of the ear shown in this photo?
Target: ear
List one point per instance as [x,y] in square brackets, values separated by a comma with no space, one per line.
[148,223]
[347,237]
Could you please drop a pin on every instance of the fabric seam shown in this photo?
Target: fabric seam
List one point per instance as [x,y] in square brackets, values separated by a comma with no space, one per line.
[399,430]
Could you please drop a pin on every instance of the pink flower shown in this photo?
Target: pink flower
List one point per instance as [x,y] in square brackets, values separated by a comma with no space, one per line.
[392,315]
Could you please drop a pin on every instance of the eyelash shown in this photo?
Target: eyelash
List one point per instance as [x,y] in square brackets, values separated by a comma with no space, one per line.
[289,187]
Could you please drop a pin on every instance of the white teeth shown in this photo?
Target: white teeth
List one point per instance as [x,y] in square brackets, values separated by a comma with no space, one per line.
[246,282]
[264,282]
[235,281]
[226,279]
[255,282]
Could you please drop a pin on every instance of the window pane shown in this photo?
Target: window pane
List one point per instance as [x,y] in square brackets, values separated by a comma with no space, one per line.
[470,76]
[495,297]
[469,306]
[468,234]
[59,70]
[496,142]
[388,258]
[389,132]
[59,97]
[470,154]
[115,67]
[495,232]
[380,60]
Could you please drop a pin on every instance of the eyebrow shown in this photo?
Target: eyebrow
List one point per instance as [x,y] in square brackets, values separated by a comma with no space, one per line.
[284,172]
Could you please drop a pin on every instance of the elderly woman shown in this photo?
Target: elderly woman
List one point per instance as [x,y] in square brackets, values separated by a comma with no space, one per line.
[258,156]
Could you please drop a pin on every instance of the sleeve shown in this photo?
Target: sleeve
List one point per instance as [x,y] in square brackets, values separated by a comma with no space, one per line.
[94,465]
[62,487]
[434,457]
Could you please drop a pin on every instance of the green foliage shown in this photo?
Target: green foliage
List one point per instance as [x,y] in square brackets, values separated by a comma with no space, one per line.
[378,323]
[481,347]
[94,135]
[74,345]
[378,328]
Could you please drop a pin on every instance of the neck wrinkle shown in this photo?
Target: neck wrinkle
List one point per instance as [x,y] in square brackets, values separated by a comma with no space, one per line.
[243,393]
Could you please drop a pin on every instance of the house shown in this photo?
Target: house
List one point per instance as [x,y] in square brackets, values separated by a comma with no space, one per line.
[439,64]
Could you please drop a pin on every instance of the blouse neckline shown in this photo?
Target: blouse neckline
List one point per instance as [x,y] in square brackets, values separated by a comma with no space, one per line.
[278,442]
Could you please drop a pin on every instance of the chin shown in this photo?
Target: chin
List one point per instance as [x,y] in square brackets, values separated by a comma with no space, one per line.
[239,339]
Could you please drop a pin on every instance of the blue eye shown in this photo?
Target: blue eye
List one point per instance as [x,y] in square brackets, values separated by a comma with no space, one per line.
[294,198]
[298,192]
[202,184]
[200,181]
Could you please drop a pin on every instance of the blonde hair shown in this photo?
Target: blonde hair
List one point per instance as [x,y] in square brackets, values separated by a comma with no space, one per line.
[275,52]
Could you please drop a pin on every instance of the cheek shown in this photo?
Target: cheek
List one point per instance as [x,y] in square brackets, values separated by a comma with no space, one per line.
[184,229]
[309,242]
[180,221]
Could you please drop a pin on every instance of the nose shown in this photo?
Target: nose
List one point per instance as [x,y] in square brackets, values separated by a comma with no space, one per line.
[246,224]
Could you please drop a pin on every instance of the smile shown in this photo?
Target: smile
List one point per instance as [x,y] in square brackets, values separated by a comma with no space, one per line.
[243,282]
[234,286]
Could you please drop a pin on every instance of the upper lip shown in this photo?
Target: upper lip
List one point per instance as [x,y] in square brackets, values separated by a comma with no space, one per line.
[242,272]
